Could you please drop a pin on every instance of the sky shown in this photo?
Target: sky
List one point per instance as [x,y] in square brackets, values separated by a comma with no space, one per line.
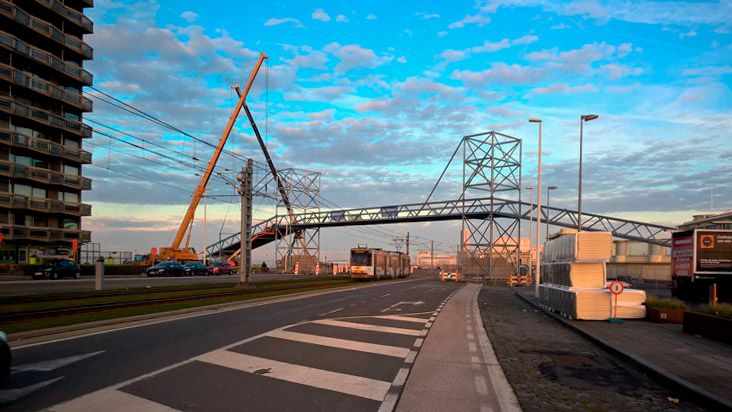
[376,95]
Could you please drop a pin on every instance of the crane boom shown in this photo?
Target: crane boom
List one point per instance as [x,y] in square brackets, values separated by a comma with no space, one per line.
[174,251]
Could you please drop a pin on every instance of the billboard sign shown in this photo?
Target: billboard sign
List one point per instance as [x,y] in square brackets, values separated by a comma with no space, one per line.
[389,212]
[713,252]
[682,254]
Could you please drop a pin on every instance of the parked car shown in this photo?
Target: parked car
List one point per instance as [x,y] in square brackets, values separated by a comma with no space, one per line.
[166,268]
[451,276]
[195,269]
[221,268]
[5,358]
[58,269]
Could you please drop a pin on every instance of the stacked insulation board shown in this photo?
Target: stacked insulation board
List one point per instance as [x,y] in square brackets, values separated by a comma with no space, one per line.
[574,278]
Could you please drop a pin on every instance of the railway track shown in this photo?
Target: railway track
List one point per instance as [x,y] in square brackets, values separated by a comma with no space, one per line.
[100,307]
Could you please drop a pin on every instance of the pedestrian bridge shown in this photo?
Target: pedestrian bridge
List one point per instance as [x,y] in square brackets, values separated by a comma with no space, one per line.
[477,208]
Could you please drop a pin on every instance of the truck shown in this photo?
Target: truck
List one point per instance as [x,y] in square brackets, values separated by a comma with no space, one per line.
[701,262]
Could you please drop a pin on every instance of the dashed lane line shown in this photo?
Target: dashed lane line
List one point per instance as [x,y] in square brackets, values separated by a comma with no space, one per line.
[341,343]
[363,326]
[303,375]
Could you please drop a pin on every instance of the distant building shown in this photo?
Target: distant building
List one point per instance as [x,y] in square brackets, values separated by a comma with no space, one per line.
[425,259]
[709,221]
[42,54]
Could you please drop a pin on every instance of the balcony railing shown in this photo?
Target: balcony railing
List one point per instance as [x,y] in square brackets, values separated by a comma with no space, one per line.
[46,88]
[41,175]
[42,234]
[71,15]
[44,117]
[46,29]
[45,146]
[75,72]
[15,201]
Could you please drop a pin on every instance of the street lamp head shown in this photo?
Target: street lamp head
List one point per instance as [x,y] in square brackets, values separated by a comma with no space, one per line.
[534,120]
[528,188]
[588,117]
[551,188]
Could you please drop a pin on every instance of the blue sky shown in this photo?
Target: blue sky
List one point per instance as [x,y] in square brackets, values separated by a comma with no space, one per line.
[375,95]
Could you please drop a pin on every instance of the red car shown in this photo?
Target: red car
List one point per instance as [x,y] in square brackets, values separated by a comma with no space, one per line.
[221,268]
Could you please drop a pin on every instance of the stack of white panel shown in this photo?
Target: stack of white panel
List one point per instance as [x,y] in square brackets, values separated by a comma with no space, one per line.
[574,278]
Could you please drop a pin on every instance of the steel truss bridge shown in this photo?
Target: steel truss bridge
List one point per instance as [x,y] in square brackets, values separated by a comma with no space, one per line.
[280,226]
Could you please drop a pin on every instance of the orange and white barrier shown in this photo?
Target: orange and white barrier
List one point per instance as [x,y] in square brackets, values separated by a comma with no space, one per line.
[297,268]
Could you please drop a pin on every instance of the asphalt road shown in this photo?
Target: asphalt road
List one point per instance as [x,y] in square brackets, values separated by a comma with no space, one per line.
[334,351]
[29,286]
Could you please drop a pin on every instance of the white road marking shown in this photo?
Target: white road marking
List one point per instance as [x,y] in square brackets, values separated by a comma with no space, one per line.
[11,395]
[389,402]
[53,364]
[362,326]
[480,385]
[331,312]
[471,336]
[471,347]
[401,377]
[418,342]
[318,378]
[402,318]
[341,343]
[110,400]
[428,325]
[383,296]
[410,357]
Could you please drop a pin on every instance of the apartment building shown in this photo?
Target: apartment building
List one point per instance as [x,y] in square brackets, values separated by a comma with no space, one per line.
[42,54]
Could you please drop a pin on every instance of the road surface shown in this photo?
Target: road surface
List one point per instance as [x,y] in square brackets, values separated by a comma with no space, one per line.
[334,351]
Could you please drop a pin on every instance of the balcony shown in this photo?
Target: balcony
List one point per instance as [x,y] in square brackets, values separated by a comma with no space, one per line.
[44,146]
[45,88]
[41,175]
[78,18]
[42,234]
[44,117]
[71,70]
[46,29]
[14,201]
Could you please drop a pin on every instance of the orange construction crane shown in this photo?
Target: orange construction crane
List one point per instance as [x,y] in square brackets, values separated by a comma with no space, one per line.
[175,251]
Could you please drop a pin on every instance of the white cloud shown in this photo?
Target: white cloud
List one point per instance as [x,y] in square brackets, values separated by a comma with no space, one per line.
[500,73]
[371,17]
[450,55]
[321,15]
[563,88]
[442,33]
[427,16]
[711,71]
[341,18]
[275,22]
[353,56]
[401,59]
[189,16]
[560,26]
[618,71]
[478,19]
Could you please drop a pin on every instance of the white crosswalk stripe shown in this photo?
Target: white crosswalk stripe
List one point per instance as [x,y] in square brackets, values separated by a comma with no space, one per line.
[111,400]
[304,375]
[402,318]
[341,343]
[363,326]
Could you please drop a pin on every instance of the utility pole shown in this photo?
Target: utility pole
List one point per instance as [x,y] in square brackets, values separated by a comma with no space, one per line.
[432,254]
[245,190]
[407,243]
[205,223]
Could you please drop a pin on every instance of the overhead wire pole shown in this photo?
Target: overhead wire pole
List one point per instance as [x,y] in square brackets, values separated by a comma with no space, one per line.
[214,158]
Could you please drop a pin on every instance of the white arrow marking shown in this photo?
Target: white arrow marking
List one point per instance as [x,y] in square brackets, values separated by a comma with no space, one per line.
[53,364]
[419,302]
[10,395]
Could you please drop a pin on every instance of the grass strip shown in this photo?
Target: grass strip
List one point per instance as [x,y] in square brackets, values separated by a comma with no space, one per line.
[34,324]
[146,295]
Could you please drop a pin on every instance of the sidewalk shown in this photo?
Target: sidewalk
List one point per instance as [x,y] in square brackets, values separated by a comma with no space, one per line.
[699,365]
[456,368]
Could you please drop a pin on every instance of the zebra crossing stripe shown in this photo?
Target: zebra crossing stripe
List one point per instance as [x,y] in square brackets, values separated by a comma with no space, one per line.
[110,400]
[303,375]
[341,343]
[401,318]
[363,326]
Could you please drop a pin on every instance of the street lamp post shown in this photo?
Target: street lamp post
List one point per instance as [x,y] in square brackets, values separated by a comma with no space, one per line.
[531,240]
[583,118]
[538,214]
[548,189]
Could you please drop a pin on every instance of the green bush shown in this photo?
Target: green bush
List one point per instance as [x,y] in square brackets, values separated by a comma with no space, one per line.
[665,303]
[723,310]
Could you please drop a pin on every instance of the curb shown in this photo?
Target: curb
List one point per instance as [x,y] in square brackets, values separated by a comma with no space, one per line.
[693,391]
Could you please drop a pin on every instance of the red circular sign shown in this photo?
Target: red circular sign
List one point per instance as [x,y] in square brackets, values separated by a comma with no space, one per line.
[616,287]
[154,251]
